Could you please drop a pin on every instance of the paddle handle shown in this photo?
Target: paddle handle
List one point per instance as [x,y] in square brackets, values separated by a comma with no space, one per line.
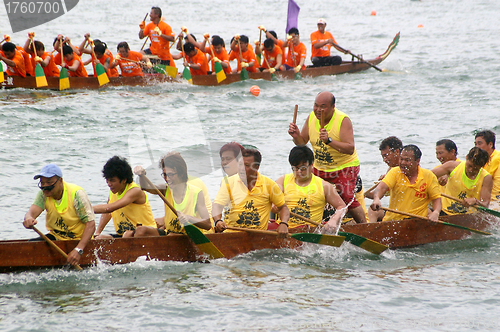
[322,119]
[293,214]
[372,187]
[160,194]
[295,111]
[53,245]
[147,37]
[406,214]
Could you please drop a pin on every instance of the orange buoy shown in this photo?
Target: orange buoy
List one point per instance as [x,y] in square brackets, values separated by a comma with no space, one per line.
[373,13]
[420,26]
[255,90]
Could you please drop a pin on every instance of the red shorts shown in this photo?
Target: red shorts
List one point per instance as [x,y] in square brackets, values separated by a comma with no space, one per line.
[345,181]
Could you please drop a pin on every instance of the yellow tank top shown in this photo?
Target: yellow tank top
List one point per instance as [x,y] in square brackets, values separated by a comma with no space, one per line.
[187,207]
[127,218]
[62,220]
[326,158]
[308,201]
[459,185]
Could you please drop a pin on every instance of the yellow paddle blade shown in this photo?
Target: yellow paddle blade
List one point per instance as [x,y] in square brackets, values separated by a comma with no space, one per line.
[40,76]
[103,79]
[171,71]
[63,79]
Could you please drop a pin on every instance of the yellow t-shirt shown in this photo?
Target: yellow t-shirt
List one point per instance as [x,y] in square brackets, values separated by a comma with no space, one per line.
[308,201]
[410,198]
[252,208]
[326,158]
[459,185]
[493,168]
[127,218]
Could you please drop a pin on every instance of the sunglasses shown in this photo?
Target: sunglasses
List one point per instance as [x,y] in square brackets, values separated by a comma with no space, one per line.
[47,188]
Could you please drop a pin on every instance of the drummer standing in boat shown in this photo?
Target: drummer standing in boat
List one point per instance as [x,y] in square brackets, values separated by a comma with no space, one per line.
[336,160]
[69,214]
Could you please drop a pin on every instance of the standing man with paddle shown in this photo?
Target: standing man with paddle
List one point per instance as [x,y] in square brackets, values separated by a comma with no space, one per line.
[467,180]
[250,196]
[412,188]
[321,42]
[160,34]
[336,160]
[69,214]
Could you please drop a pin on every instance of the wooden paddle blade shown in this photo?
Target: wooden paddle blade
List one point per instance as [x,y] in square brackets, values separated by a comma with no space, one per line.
[364,243]
[329,240]
[202,242]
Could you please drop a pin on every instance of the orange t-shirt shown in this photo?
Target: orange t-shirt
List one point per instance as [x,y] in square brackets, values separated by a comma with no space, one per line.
[222,56]
[247,56]
[131,68]
[323,51]
[27,61]
[19,69]
[111,72]
[299,52]
[80,72]
[272,57]
[201,60]
[51,69]
[160,46]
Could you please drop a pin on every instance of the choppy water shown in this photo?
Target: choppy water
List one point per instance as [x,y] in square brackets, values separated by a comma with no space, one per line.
[443,82]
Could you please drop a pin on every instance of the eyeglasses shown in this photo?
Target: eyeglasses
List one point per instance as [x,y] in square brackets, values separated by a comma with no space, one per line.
[301,168]
[168,175]
[47,188]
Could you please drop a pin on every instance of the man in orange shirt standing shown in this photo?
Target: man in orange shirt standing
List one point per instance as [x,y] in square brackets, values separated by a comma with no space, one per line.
[297,52]
[160,34]
[246,58]
[13,59]
[321,42]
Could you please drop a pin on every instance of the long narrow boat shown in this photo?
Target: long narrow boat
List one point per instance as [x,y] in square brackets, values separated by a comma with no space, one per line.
[204,80]
[16,255]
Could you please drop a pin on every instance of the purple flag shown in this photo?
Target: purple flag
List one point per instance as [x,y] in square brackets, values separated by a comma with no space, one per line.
[293,15]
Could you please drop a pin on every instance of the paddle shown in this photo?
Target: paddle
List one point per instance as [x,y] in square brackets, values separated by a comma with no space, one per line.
[329,240]
[186,73]
[219,72]
[53,245]
[295,111]
[63,74]
[359,58]
[439,221]
[40,78]
[357,240]
[298,75]
[201,241]
[100,72]
[371,188]
[259,56]
[476,206]
[6,38]
[322,119]
[271,69]
[244,72]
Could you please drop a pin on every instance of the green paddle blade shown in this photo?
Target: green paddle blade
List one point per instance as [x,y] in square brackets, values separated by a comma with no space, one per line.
[244,74]
[298,76]
[202,242]
[486,210]
[274,77]
[329,240]
[41,80]
[63,79]
[364,243]
[187,75]
[219,72]
[463,227]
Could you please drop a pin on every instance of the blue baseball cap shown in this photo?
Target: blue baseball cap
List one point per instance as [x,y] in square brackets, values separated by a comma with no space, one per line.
[49,171]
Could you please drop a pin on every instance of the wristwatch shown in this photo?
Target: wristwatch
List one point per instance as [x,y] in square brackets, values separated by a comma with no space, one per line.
[329,140]
[79,251]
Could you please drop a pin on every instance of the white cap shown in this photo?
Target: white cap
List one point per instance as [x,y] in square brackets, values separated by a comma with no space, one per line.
[321,21]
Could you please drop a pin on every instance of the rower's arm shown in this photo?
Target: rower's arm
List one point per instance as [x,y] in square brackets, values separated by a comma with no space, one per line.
[30,217]
[88,232]
[45,62]
[8,62]
[299,137]
[445,169]
[192,41]
[378,193]
[105,218]
[334,199]
[27,46]
[436,209]
[134,195]
[346,143]
[485,195]
[279,61]
[203,222]
[284,216]
[339,49]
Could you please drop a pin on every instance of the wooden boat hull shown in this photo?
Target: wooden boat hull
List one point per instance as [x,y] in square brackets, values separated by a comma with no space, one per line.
[26,255]
[204,80]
